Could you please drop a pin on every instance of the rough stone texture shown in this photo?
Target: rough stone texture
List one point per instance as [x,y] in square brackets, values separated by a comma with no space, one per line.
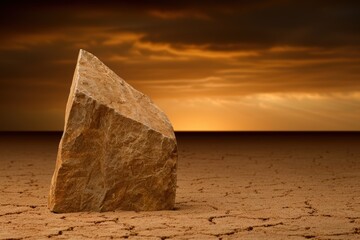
[118,149]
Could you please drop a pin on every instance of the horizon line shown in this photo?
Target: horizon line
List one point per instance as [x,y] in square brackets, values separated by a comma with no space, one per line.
[207,131]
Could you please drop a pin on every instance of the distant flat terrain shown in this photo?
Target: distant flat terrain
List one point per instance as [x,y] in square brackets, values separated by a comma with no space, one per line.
[245,185]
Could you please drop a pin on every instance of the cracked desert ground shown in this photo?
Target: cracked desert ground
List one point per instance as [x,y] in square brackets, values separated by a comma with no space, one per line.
[230,186]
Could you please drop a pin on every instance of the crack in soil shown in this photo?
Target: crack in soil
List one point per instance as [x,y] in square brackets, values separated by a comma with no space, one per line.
[13,213]
[115,220]
[130,228]
[22,205]
[312,209]
[356,231]
[212,218]
[250,228]
[60,232]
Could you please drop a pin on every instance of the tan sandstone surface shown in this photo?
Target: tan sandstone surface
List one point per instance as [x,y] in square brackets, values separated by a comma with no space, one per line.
[230,186]
[118,149]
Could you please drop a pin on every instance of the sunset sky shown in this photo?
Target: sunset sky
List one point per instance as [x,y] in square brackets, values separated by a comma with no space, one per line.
[212,65]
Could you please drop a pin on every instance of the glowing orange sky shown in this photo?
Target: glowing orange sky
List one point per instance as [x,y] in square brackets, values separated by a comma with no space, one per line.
[256,65]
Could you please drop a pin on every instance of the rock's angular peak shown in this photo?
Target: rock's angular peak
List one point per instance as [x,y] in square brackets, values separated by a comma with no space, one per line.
[94,79]
[118,149]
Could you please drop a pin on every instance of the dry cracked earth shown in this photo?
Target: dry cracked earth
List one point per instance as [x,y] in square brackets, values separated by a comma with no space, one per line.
[230,186]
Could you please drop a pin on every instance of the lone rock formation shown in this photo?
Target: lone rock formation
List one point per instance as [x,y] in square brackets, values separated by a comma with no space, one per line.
[118,150]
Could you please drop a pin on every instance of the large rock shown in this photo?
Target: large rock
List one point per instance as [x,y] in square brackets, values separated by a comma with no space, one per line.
[118,149]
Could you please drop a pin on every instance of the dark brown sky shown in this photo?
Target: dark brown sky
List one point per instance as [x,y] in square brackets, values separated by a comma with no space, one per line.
[212,65]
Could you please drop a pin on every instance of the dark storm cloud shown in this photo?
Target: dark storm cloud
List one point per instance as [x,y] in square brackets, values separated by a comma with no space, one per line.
[228,25]
[179,49]
[285,23]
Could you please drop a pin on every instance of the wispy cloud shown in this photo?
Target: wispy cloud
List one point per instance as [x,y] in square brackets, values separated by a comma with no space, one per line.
[239,60]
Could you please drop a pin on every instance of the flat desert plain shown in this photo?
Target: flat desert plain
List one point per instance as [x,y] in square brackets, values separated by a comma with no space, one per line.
[230,186]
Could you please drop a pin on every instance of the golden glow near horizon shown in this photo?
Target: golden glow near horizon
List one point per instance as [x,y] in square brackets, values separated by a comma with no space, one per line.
[205,68]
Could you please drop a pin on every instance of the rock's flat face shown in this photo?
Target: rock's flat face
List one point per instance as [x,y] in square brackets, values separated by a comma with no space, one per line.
[118,150]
